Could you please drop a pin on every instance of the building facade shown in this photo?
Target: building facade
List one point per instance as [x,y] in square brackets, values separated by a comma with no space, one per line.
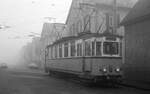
[30,53]
[96,16]
[50,33]
[137,39]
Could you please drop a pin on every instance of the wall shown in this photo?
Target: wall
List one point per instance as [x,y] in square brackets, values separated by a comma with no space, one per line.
[137,51]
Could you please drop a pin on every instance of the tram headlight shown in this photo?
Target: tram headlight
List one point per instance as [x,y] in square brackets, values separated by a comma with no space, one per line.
[104,70]
[117,69]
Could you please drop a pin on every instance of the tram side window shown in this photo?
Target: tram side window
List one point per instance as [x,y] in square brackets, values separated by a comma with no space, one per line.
[98,48]
[120,49]
[46,54]
[93,48]
[53,48]
[55,51]
[60,50]
[49,53]
[73,50]
[79,49]
[66,50]
[87,48]
[111,48]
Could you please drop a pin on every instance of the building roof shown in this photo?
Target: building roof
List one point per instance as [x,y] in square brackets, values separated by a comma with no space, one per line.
[120,3]
[140,12]
[47,27]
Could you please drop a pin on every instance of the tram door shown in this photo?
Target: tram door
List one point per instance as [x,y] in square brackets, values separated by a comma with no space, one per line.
[87,61]
[87,65]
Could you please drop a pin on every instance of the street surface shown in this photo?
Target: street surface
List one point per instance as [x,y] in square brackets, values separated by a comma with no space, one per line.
[35,82]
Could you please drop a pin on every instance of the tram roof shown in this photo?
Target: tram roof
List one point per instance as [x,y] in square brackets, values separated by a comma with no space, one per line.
[84,35]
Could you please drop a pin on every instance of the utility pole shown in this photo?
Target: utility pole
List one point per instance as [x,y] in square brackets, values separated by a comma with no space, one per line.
[114,16]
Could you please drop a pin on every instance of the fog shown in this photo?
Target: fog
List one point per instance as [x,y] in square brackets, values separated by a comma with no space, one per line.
[24,17]
[10,48]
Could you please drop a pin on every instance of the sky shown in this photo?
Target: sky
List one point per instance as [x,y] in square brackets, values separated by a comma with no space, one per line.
[24,17]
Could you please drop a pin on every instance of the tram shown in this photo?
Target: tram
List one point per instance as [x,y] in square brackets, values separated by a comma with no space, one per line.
[92,56]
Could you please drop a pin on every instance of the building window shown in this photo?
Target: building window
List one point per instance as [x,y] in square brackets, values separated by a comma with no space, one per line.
[79,27]
[60,50]
[79,49]
[110,20]
[111,48]
[118,20]
[87,24]
[74,27]
[98,48]
[71,30]
[66,49]
[87,48]
[73,49]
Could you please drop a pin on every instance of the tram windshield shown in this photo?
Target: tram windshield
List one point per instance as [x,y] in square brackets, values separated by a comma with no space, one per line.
[111,48]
